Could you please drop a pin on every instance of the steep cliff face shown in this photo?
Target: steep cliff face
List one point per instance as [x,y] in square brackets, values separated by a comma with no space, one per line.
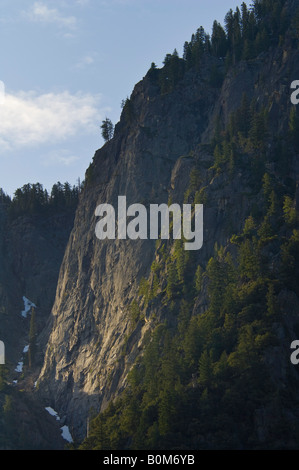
[31,252]
[92,345]
[84,365]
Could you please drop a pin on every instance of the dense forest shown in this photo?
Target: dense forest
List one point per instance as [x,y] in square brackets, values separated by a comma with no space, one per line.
[50,215]
[208,377]
[205,380]
[245,34]
[33,199]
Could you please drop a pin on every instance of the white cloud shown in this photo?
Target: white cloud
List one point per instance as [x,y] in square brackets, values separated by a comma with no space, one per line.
[86,61]
[82,2]
[108,3]
[40,12]
[28,119]
[59,157]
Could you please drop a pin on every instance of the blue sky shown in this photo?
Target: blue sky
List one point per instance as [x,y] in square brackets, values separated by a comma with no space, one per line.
[68,64]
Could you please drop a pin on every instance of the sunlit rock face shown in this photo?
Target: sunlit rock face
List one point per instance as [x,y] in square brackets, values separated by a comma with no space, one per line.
[91,345]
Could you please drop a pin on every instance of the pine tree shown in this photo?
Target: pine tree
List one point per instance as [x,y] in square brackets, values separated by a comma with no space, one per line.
[172,72]
[107,129]
[289,211]
[233,31]
[153,74]
[218,40]
[4,198]
[205,369]
[166,411]
[258,129]
[268,188]
[187,55]
[171,280]
[181,262]
[3,376]
[249,226]
[216,272]
[249,259]
[198,279]
[244,20]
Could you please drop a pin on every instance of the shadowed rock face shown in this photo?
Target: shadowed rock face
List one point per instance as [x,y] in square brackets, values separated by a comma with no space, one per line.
[31,252]
[148,160]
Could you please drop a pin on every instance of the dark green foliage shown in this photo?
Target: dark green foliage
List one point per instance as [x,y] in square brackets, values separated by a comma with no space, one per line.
[289,211]
[4,198]
[258,129]
[219,43]
[198,278]
[271,17]
[208,376]
[245,34]
[107,129]
[216,77]
[289,260]
[32,199]
[205,379]
[249,32]
[199,45]
[3,377]
[233,32]
[172,72]
[153,74]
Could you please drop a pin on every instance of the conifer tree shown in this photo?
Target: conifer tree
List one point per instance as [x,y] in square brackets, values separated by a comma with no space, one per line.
[289,211]
[107,129]
[218,40]
[249,259]
[205,369]
[198,278]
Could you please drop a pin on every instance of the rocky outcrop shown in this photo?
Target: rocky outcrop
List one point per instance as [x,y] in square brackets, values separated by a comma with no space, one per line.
[84,367]
[149,161]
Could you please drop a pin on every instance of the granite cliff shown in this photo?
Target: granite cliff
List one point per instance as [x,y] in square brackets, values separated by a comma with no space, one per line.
[160,139]
[207,129]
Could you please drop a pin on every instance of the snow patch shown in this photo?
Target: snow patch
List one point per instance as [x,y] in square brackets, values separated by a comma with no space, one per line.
[19,367]
[65,432]
[52,412]
[27,306]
